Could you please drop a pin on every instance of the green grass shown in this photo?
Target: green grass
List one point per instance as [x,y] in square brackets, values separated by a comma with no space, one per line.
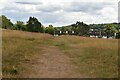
[94,57]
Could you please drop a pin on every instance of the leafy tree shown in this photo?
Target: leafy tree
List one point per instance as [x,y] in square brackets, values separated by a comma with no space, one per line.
[33,25]
[82,29]
[118,35]
[6,23]
[50,29]
[20,26]
[56,28]
[110,30]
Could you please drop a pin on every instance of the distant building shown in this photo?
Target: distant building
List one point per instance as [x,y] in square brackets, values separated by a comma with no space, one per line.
[97,33]
[59,32]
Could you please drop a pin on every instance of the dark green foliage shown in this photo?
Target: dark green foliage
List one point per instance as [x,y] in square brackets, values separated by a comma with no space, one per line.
[118,35]
[102,26]
[49,30]
[80,28]
[83,29]
[110,30]
[6,23]
[33,25]
[20,26]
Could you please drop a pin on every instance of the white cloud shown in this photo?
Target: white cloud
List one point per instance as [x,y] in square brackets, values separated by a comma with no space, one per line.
[61,12]
[49,8]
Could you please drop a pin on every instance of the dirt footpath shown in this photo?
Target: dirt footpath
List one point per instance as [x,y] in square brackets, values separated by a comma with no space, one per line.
[53,64]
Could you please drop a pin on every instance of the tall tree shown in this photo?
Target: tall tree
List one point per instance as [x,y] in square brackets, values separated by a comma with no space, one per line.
[82,29]
[6,23]
[110,30]
[33,25]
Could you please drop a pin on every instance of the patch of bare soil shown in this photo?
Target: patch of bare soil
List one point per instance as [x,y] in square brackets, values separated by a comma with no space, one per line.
[52,64]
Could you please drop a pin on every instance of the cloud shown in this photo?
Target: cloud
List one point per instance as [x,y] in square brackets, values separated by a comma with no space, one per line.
[14,7]
[59,12]
[29,3]
[49,8]
[86,7]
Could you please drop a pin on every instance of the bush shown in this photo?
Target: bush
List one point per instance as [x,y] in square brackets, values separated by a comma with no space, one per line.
[118,35]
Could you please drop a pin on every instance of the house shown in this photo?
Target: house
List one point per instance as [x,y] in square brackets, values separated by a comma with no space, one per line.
[59,32]
[97,33]
[94,33]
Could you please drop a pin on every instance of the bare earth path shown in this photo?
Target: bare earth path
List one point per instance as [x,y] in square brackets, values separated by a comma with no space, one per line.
[53,64]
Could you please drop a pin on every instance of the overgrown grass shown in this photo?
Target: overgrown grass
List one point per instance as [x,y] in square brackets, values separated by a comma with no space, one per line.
[20,47]
[95,57]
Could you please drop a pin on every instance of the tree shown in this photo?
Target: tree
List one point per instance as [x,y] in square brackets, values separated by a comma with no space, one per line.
[33,25]
[6,23]
[19,26]
[82,29]
[49,30]
[118,35]
[110,30]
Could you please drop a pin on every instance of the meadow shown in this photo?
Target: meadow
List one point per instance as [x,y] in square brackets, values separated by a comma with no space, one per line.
[95,57]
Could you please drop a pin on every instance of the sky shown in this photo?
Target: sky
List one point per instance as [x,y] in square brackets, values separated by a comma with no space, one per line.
[61,12]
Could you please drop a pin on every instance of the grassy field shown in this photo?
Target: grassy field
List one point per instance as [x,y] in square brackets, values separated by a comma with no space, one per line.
[94,57]
[20,47]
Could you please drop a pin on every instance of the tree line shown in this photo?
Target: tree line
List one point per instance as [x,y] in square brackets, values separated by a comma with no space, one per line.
[80,28]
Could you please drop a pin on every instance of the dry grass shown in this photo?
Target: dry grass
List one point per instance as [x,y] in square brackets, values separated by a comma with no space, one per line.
[20,47]
[94,57]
